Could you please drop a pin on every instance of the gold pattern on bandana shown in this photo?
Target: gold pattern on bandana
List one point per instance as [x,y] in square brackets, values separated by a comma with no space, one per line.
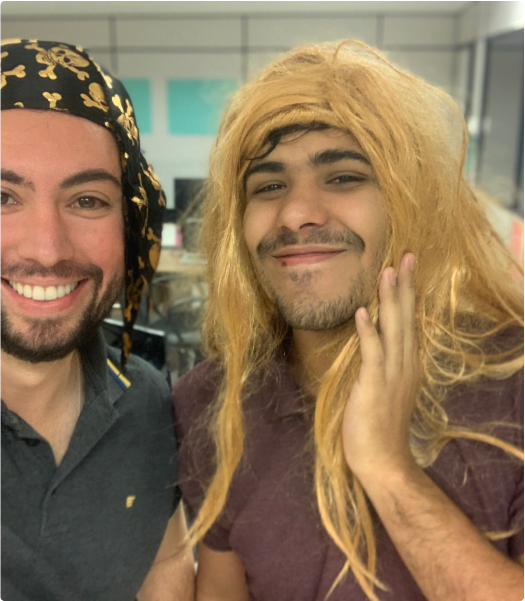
[107,78]
[126,344]
[133,293]
[16,72]
[126,118]
[53,99]
[152,176]
[11,41]
[20,105]
[59,56]
[143,200]
[154,251]
[96,97]
[153,179]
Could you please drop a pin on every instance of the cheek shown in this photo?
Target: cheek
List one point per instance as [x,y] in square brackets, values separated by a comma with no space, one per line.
[369,219]
[254,226]
[102,243]
[9,233]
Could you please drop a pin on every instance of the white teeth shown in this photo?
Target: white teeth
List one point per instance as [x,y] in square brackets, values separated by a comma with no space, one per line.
[43,294]
[39,293]
[51,293]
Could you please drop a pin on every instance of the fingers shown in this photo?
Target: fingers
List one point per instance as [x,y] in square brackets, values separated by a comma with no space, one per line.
[407,299]
[372,358]
[391,322]
[395,345]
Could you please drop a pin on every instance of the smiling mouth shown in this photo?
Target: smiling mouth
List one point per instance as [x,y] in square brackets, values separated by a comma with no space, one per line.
[307,250]
[308,254]
[41,293]
[290,257]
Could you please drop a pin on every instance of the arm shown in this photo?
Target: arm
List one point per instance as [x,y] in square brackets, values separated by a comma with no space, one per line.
[446,554]
[220,576]
[171,577]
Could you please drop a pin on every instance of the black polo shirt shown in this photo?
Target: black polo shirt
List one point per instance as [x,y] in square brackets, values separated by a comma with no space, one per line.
[90,529]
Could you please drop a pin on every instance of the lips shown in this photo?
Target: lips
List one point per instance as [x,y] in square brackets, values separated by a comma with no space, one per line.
[306,255]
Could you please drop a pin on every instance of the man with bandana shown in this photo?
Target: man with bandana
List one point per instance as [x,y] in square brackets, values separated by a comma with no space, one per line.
[355,433]
[90,505]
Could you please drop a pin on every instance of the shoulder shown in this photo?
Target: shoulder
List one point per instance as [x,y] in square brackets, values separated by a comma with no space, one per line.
[196,390]
[144,382]
[487,400]
[202,379]
[193,397]
[473,468]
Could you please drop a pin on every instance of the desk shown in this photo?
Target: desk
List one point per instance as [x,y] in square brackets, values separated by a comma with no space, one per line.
[170,262]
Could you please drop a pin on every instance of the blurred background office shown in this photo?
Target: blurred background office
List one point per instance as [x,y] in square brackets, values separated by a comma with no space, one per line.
[182,61]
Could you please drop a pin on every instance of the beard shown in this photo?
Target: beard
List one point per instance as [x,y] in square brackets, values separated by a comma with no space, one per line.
[307,313]
[46,339]
[304,311]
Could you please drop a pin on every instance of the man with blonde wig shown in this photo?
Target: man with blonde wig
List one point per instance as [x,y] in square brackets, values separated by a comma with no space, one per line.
[354,434]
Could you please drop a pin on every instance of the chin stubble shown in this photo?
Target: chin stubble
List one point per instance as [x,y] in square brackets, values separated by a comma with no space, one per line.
[307,313]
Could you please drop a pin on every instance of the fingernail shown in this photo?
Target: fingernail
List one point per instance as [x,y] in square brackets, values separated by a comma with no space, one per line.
[363,313]
[392,277]
[411,262]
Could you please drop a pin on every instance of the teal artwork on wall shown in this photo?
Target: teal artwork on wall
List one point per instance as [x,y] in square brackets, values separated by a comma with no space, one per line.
[195,106]
[140,94]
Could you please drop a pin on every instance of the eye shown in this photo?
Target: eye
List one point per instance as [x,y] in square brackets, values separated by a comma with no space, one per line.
[269,188]
[89,203]
[347,178]
[7,199]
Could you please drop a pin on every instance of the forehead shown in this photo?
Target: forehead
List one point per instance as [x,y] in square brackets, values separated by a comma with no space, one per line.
[56,142]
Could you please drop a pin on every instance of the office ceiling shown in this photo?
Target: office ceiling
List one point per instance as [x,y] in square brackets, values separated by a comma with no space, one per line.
[20,9]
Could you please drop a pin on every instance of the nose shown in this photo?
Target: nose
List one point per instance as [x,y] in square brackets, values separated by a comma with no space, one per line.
[44,236]
[302,208]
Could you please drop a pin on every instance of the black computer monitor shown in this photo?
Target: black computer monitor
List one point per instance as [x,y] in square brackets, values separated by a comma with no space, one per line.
[148,343]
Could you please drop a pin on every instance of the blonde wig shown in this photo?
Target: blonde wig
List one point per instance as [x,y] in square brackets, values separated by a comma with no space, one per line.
[415,138]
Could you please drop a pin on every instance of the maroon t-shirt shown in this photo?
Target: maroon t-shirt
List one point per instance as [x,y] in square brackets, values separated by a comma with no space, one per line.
[271,519]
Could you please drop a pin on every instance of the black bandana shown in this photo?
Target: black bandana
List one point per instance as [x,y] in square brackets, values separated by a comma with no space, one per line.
[60,77]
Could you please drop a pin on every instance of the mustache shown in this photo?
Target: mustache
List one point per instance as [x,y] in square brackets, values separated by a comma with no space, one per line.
[62,269]
[348,238]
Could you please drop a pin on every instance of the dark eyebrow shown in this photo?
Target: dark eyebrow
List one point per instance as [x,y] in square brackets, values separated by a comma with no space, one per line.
[14,178]
[265,167]
[332,155]
[90,175]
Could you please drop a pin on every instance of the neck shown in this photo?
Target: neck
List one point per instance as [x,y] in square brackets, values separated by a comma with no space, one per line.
[35,390]
[307,363]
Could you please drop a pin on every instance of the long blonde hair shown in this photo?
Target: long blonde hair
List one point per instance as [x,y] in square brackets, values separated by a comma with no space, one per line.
[415,138]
